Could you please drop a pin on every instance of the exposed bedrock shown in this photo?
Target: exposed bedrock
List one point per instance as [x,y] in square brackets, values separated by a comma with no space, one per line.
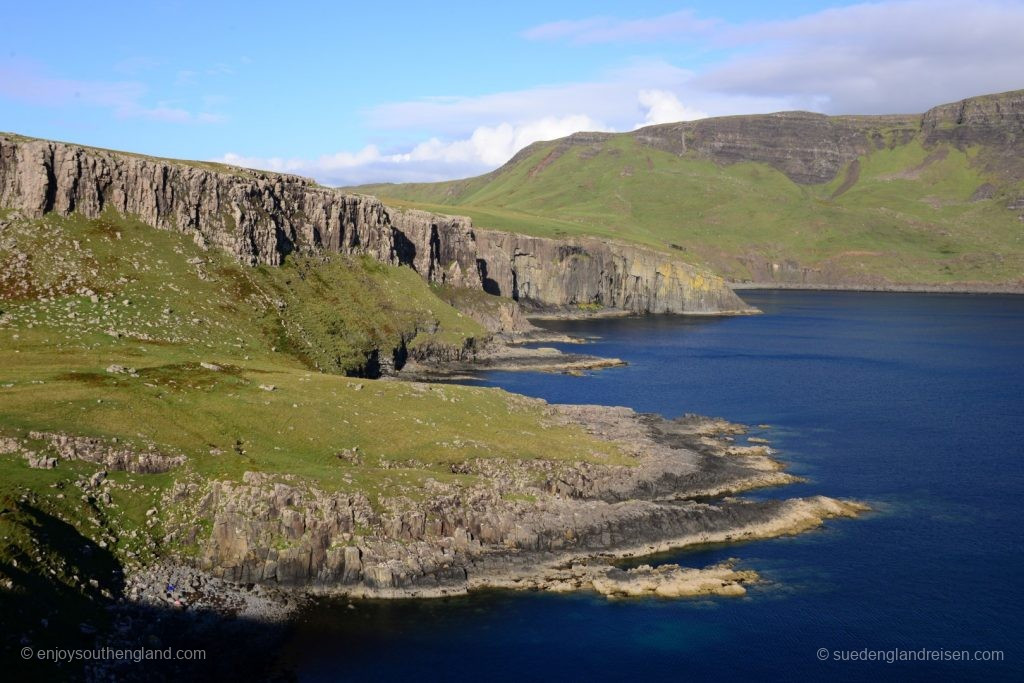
[262,217]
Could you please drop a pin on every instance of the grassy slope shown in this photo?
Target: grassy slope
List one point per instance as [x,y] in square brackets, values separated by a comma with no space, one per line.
[899,221]
[162,307]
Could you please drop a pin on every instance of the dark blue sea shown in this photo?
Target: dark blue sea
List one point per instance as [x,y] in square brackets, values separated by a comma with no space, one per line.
[913,403]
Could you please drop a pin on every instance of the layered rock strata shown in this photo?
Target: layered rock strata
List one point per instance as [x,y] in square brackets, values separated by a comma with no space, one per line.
[262,217]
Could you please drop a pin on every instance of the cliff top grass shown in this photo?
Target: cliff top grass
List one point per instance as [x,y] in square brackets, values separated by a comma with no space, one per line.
[902,213]
[77,296]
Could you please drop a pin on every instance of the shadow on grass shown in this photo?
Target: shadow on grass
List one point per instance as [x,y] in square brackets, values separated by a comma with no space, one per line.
[44,611]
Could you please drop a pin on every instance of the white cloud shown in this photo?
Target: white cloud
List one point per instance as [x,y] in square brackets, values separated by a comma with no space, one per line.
[494,145]
[664,107]
[890,57]
[434,159]
[611,99]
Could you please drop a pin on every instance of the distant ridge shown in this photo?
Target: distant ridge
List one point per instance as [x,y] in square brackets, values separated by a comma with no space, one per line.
[793,198]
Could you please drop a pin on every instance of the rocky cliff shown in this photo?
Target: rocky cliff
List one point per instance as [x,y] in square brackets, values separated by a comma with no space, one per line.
[809,148]
[587,270]
[262,217]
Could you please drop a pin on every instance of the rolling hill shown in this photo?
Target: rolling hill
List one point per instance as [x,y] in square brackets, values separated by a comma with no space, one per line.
[793,198]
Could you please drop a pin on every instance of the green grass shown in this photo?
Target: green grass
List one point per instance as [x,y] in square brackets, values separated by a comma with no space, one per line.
[162,312]
[92,293]
[111,291]
[338,310]
[906,217]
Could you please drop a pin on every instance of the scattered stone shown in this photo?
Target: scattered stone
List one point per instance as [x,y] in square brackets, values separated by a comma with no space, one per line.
[112,455]
[351,456]
[41,462]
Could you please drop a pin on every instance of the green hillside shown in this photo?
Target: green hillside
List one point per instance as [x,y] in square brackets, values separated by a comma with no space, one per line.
[905,211]
[114,330]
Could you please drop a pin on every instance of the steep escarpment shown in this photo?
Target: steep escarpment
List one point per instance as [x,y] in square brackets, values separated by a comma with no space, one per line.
[261,218]
[930,201]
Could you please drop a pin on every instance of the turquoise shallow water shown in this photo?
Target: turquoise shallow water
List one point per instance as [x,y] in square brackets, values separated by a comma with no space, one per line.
[910,402]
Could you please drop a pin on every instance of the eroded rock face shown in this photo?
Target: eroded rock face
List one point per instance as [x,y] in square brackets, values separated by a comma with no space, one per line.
[993,122]
[256,216]
[262,217]
[990,120]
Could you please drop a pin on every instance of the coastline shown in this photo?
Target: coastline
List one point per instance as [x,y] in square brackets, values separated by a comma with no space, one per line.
[680,492]
[909,289]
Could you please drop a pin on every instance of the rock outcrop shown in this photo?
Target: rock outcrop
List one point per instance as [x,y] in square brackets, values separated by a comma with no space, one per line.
[57,446]
[995,123]
[262,217]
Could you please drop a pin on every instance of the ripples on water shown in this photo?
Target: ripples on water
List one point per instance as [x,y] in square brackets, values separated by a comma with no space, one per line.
[910,402]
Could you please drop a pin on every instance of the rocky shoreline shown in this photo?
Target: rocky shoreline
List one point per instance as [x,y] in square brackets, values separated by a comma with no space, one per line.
[544,526]
[508,358]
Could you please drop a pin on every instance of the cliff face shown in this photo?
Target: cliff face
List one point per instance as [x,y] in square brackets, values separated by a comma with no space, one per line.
[588,270]
[809,148]
[262,217]
[258,217]
[995,123]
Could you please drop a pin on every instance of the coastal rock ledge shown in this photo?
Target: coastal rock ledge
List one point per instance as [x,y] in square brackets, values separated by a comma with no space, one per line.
[536,525]
[262,217]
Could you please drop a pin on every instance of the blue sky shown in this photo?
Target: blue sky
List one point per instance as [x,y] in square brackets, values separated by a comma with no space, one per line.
[367,92]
